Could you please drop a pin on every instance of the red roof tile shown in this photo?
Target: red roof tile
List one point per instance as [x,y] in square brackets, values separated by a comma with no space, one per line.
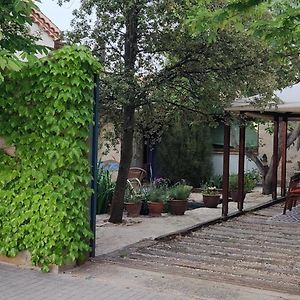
[46,24]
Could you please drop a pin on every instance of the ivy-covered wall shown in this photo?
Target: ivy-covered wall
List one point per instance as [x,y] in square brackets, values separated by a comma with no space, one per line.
[46,112]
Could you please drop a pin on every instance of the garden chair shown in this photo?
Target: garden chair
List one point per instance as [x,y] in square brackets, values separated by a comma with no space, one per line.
[136,177]
[293,193]
[137,173]
[134,184]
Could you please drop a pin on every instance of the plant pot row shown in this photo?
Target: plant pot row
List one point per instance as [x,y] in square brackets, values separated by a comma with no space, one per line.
[176,207]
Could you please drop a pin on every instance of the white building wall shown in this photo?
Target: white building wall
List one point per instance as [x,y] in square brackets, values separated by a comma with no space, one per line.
[217,160]
[44,38]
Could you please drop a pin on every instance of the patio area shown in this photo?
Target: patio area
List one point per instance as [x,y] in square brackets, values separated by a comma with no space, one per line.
[111,237]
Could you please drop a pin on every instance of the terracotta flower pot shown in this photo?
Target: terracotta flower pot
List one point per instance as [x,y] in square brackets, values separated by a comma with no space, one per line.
[211,201]
[177,207]
[133,209]
[155,209]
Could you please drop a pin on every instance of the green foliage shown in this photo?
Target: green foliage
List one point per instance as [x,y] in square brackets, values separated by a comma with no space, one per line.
[156,194]
[251,179]
[216,181]
[233,182]
[275,22]
[14,35]
[132,196]
[185,153]
[105,190]
[46,112]
[180,191]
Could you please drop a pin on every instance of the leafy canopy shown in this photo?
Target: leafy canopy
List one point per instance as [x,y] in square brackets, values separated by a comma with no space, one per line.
[172,70]
[275,21]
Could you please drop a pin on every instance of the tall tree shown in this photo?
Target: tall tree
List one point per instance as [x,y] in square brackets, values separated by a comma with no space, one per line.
[14,34]
[153,66]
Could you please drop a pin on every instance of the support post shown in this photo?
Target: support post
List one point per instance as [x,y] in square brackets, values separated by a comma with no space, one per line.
[94,161]
[241,164]
[275,158]
[226,170]
[284,125]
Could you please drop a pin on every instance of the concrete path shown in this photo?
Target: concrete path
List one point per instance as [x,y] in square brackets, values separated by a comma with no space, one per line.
[96,281]
[24,284]
[112,237]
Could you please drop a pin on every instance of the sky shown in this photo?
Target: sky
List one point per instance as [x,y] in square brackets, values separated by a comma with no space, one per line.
[290,94]
[61,16]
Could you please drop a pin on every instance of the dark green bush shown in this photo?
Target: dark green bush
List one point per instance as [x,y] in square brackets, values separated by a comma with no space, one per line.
[185,153]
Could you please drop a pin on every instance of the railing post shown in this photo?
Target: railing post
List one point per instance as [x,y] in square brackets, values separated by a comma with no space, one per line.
[284,125]
[275,158]
[241,175]
[226,158]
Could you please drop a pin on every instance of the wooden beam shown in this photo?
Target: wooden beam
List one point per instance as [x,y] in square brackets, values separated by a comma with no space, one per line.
[275,157]
[241,172]
[226,159]
[284,125]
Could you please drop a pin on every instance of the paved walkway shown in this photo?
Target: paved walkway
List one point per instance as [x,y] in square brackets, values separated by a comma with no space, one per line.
[96,281]
[112,237]
[24,284]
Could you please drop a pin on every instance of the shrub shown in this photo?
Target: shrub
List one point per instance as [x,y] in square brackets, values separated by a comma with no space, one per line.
[185,153]
[105,190]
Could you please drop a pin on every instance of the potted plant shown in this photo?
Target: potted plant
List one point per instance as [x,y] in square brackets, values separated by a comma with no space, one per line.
[211,196]
[156,198]
[133,202]
[179,194]
[233,188]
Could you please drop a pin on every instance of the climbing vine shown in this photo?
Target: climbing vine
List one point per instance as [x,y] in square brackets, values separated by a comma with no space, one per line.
[46,112]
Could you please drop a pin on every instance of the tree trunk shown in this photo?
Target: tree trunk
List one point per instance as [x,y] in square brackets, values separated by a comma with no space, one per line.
[117,204]
[130,52]
[267,181]
[267,172]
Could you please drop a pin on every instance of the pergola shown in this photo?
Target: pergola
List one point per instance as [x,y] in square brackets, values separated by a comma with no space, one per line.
[279,115]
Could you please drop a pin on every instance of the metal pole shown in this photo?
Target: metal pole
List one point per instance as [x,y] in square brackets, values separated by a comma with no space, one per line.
[226,159]
[275,157]
[241,174]
[94,152]
[284,126]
